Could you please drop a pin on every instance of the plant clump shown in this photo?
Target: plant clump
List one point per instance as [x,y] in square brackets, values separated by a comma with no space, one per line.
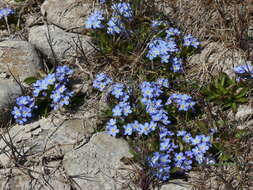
[150,117]
[51,92]
[163,116]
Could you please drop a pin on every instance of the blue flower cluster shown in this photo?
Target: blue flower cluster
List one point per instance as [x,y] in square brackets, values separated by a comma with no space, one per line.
[94,21]
[56,82]
[170,155]
[151,91]
[102,81]
[122,9]
[162,48]
[124,108]
[53,86]
[168,48]
[244,71]
[114,24]
[23,111]
[156,23]
[5,12]
[189,40]
[183,101]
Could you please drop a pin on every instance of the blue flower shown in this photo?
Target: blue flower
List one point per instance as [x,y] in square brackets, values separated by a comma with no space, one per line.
[5,12]
[203,147]
[210,160]
[112,122]
[50,79]
[128,129]
[177,65]
[16,112]
[102,1]
[189,154]
[145,129]
[162,82]
[63,73]
[189,40]
[112,130]
[196,151]
[242,69]
[196,140]
[179,157]
[186,165]
[122,9]
[165,144]
[165,159]
[162,48]
[153,161]
[94,21]
[115,26]
[157,23]
[152,126]
[172,32]
[101,82]
[183,101]
[200,158]
[117,111]
[136,126]
[187,138]
[23,111]
[181,133]
[120,92]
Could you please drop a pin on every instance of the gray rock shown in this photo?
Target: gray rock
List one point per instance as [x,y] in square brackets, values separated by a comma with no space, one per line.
[63,43]
[68,135]
[214,58]
[244,112]
[244,116]
[8,94]
[32,178]
[68,14]
[176,185]
[48,137]
[96,165]
[20,58]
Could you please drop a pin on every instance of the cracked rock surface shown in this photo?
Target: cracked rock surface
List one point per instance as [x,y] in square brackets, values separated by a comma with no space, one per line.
[48,38]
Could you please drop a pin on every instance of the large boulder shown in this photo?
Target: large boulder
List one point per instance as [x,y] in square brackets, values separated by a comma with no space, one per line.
[56,43]
[68,14]
[19,58]
[97,163]
[9,92]
[48,137]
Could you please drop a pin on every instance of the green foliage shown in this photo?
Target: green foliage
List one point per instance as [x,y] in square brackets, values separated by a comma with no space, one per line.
[30,80]
[226,92]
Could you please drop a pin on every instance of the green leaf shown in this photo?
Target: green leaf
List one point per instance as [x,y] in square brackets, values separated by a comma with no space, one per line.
[175,170]
[30,80]
[234,106]
[225,157]
[203,126]
[181,146]
[242,93]
[242,100]
[240,134]
[223,79]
